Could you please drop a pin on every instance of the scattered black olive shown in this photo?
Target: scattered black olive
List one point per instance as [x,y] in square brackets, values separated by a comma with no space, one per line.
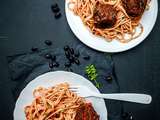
[71,50]
[77,61]
[51,64]
[109,78]
[66,48]
[55,9]
[67,64]
[87,57]
[34,49]
[57,15]
[76,53]
[55,64]
[48,56]
[127,116]
[53,58]
[71,59]
[67,54]
[70,69]
[131,117]
[48,42]
[54,5]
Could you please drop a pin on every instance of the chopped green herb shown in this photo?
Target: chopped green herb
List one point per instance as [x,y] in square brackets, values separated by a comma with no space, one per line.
[92,74]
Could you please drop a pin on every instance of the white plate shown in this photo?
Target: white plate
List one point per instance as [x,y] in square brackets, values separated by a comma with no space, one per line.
[50,79]
[98,43]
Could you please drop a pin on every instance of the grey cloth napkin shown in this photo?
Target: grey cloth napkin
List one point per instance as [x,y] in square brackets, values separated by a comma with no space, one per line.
[24,68]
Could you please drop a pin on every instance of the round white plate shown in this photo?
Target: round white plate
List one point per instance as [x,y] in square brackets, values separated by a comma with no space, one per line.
[98,43]
[50,79]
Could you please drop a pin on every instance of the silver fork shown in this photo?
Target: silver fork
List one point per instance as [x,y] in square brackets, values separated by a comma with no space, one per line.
[130,97]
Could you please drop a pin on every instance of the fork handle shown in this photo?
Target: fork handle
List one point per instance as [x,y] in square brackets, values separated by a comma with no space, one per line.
[130,97]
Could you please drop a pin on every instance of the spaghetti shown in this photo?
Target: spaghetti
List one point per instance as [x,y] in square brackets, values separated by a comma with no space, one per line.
[57,103]
[124,29]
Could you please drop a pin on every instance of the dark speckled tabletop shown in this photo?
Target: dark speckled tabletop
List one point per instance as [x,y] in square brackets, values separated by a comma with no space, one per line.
[27,23]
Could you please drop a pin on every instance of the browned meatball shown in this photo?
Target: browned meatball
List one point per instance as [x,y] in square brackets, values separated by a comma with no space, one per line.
[134,8]
[105,16]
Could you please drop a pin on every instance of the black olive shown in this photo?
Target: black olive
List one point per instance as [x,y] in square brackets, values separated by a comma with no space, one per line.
[127,116]
[130,117]
[57,15]
[67,54]
[87,57]
[77,61]
[34,49]
[48,56]
[71,50]
[53,58]
[48,42]
[67,64]
[71,59]
[54,5]
[56,64]
[51,64]
[76,53]
[109,78]
[70,69]
[55,9]
[66,48]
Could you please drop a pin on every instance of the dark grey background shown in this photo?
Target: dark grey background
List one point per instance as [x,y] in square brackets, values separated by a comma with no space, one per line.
[27,23]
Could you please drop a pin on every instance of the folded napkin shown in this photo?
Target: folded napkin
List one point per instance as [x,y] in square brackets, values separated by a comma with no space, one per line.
[24,68]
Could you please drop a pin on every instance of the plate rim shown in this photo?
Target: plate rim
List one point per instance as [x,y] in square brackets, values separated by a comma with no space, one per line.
[49,73]
[154,19]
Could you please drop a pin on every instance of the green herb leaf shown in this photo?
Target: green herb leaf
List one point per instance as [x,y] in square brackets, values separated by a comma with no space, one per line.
[92,74]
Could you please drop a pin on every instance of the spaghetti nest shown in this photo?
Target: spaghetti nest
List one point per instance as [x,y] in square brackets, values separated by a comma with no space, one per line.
[57,103]
[124,29]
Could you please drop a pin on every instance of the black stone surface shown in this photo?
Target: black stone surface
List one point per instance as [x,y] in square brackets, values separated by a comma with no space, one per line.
[27,23]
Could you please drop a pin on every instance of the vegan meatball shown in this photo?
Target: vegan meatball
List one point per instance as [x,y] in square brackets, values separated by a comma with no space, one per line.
[105,16]
[134,8]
